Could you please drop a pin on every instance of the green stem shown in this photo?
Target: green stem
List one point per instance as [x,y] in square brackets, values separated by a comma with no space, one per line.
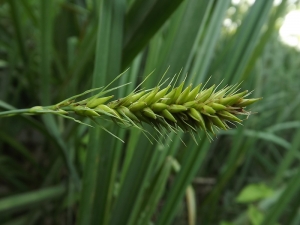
[33,111]
[14,112]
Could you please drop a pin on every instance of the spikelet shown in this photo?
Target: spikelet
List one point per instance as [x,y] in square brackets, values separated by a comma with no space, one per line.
[171,108]
[186,109]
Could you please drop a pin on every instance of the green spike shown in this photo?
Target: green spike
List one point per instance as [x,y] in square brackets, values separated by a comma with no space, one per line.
[183,96]
[232,99]
[209,109]
[218,122]
[228,116]
[98,101]
[160,94]
[105,108]
[168,115]
[178,92]
[127,112]
[204,95]
[217,106]
[177,108]
[197,116]
[245,102]
[149,113]
[192,95]
[158,107]
[137,106]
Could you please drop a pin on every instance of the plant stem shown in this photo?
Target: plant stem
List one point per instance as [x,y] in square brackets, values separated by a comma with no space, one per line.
[14,112]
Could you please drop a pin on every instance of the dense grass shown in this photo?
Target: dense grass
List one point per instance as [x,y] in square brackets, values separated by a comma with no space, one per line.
[54,171]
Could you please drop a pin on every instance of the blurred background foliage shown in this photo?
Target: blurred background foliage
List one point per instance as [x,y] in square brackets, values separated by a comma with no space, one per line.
[54,171]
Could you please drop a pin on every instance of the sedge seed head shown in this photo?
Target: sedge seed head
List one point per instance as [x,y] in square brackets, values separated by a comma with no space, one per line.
[187,109]
[172,108]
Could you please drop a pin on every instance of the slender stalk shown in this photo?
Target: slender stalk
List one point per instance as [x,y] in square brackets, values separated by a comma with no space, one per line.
[14,112]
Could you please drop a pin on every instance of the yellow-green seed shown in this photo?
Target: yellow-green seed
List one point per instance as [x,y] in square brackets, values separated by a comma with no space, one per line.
[127,112]
[209,109]
[158,107]
[160,94]
[137,106]
[246,102]
[197,116]
[149,113]
[142,98]
[169,97]
[127,100]
[217,106]
[218,122]
[90,112]
[190,104]
[177,108]
[135,97]
[203,96]
[117,103]
[183,96]
[84,111]
[177,92]
[61,111]
[98,101]
[108,110]
[199,106]
[232,99]
[165,113]
[192,95]
[78,111]
[151,95]
[36,109]
[228,116]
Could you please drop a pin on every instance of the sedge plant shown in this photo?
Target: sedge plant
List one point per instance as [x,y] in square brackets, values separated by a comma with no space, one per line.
[171,108]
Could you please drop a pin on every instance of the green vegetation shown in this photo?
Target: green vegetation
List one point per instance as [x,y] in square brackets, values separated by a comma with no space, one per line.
[56,171]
